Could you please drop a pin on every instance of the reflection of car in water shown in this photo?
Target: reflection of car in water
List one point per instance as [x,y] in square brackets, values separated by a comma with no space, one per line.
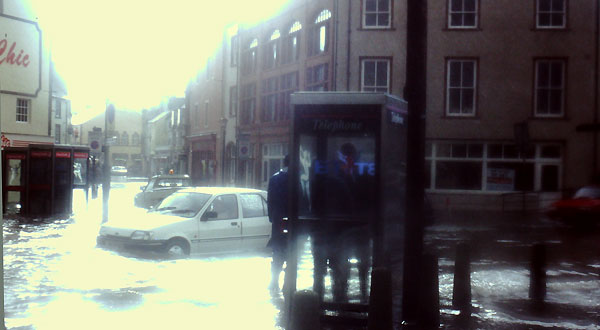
[206,220]
[159,187]
[582,208]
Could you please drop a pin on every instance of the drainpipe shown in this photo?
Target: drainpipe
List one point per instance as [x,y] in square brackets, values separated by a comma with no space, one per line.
[50,74]
[349,44]
[335,44]
[596,73]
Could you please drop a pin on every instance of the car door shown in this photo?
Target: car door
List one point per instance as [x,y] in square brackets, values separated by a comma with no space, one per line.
[220,227]
[256,228]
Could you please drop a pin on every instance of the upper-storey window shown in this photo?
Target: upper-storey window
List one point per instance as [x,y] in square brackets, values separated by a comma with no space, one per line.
[248,104]
[135,139]
[375,75]
[463,14]
[319,37]
[290,51]
[377,14]
[125,139]
[549,87]
[272,50]
[23,106]
[234,51]
[461,87]
[317,78]
[249,59]
[551,14]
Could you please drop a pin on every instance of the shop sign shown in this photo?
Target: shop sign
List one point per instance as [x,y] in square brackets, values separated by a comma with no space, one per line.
[63,154]
[500,179]
[41,154]
[20,56]
[80,155]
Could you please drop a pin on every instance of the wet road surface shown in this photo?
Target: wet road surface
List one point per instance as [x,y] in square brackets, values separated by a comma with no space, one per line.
[55,277]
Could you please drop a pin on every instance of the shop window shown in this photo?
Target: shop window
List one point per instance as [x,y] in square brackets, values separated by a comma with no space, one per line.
[460,175]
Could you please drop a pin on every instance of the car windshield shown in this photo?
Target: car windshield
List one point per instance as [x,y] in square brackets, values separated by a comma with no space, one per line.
[588,192]
[183,204]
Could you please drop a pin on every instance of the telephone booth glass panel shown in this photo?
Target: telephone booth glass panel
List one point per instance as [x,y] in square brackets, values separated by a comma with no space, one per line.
[40,182]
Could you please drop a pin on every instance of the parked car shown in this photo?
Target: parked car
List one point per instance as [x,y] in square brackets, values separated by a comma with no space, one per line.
[580,209]
[159,187]
[118,170]
[201,220]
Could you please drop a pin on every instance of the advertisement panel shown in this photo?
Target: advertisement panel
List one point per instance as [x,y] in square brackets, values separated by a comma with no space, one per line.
[20,56]
[337,161]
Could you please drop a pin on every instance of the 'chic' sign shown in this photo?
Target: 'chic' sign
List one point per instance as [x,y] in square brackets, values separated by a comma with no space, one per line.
[20,56]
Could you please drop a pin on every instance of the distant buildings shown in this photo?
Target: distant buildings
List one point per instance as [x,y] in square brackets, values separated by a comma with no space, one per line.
[125,140]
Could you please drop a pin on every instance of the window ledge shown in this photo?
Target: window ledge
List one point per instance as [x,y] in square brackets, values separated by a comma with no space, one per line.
[473,117]
[465,29]
[376,29]
[550,118]
[550,29]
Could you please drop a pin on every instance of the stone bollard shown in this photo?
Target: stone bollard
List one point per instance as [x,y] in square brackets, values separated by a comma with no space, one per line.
[380,301]
[461,293]
[429,309]
[537,276]
[306,311]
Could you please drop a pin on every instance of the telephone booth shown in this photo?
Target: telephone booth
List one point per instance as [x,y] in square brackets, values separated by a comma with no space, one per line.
[14,161]
[347,189]
[38,180]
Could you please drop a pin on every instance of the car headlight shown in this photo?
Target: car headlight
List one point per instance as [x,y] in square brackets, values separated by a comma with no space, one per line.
[142,235]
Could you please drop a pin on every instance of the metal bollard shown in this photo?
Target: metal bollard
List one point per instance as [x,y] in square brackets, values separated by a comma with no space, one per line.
[380,301]
[537,277]
[461,292]
[306,311]
[429,309]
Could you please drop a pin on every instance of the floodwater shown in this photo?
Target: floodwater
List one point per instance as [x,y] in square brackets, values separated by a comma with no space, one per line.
[56,277]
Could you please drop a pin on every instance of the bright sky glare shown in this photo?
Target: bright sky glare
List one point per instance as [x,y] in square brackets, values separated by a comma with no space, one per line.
[136,53]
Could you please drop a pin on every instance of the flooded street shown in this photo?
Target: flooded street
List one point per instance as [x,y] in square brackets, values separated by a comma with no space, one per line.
[56,277]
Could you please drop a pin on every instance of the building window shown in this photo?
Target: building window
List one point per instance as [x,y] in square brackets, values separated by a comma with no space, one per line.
[249,58]
[551,14]
[117,138]
[272,50]
[135,139]
[375,75]
[234,51]
[233,101]
[318,42]
[289,85]
[248,104]
[461,87]
[463,14]
[549,88]
[290,51]
[317,78]
[206,114]
[57,109]
[493,167]
[376,14]
[23,106]
[57,133]
[269,100]
[272,155]
[125,139]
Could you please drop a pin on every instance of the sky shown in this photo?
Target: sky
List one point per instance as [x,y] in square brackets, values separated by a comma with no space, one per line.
[136,53]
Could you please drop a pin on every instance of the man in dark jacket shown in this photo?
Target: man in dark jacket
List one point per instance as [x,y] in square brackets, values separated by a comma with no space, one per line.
[277,203]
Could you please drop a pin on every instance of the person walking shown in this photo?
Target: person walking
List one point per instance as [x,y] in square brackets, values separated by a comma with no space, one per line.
[277,204]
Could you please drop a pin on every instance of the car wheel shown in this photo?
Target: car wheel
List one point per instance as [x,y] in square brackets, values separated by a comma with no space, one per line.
[177,248]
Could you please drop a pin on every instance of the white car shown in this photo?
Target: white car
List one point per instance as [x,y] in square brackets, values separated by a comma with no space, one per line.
[201,220]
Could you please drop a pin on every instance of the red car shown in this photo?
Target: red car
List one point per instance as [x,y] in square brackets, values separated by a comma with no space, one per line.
[582,208]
